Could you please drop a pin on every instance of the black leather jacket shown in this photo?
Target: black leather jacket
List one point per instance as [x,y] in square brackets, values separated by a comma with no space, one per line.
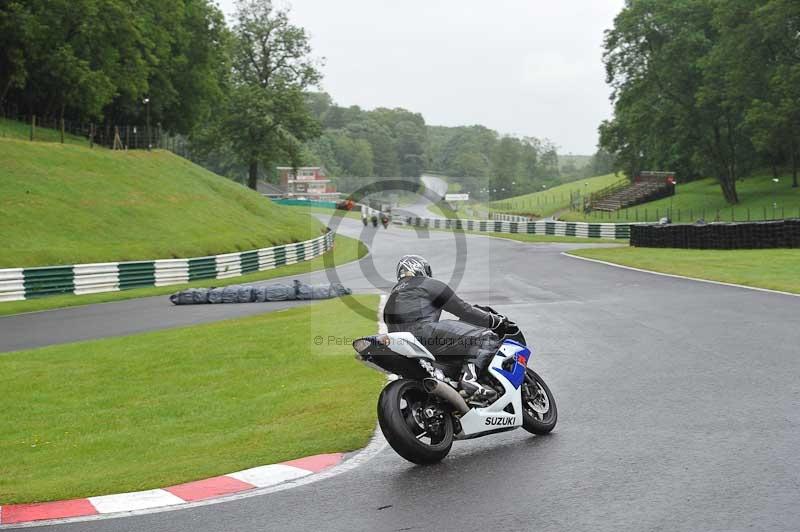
[415,301]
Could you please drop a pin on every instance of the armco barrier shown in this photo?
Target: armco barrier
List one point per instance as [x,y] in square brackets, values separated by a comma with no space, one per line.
[25,283]
[540,227]
[737,235]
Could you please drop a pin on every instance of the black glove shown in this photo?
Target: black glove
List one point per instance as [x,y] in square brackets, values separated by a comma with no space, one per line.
[499,324]
[486,308]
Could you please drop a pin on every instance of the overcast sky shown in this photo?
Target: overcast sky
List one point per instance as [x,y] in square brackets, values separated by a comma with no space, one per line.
[525,67]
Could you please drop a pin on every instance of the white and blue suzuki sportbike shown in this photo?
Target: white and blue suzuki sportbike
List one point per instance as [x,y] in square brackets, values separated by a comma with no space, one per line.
[424,410]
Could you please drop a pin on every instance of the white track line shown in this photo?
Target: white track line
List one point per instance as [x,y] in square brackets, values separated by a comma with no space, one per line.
[567,254]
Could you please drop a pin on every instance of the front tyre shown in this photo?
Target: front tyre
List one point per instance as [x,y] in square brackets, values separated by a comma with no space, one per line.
[414,425]
[539,413]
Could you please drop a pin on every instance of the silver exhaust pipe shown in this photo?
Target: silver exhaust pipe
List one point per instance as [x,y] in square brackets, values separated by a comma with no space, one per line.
[446,392]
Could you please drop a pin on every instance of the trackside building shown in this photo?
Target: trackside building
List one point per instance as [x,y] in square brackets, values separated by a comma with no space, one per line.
[308,181]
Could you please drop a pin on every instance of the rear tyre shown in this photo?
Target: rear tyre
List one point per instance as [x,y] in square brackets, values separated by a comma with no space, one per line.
[539,412]
[403,421]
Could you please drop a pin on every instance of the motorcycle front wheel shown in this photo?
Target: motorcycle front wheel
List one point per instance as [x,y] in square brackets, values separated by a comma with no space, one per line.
[539,412]
[413,424]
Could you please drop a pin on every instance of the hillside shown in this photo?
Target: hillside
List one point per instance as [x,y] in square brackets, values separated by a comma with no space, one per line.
[759,198]
[66,204]
[550,201]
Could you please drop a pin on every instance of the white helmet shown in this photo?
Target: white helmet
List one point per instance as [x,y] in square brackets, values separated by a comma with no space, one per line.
[413,265]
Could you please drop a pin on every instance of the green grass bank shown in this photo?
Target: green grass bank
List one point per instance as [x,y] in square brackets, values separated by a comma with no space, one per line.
[156,409]
[68,204]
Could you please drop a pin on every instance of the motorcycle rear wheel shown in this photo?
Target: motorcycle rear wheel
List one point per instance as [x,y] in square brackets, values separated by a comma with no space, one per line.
[400,411]
[539,412]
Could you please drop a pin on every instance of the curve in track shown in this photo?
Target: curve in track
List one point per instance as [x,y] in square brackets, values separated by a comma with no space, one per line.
[677,401]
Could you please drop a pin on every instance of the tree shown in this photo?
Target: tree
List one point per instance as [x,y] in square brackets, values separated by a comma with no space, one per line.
[190,64]
[704,87]
[261,125]
[602,163]
[775,113]
[14,34]
[379,137]
[97,59]
[410,141]
[266,114]
[671,108]
[505,163]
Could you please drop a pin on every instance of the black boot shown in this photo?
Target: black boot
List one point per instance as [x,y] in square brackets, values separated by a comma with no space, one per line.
[470,384]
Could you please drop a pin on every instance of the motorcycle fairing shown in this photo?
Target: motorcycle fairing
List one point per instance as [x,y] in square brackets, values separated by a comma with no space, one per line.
[405,344]
[495,418]
[521,355]
[396,353]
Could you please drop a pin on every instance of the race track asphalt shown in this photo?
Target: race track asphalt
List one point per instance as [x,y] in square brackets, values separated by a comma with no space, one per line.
[679,406]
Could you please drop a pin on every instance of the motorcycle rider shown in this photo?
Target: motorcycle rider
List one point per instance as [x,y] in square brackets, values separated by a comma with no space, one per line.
[414,306]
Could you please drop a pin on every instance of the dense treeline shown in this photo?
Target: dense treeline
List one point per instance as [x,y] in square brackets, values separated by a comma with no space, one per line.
[384,142]
[357,143]
[237,92]
[705,87]
[99,59]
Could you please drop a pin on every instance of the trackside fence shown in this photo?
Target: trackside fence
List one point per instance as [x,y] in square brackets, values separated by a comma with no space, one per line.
[510,217]
[540,227]
[25,283]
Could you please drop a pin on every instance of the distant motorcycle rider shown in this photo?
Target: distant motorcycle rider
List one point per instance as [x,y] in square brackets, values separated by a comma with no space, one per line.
[415,305]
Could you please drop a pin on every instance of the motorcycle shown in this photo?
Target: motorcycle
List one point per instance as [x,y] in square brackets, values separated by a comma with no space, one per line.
[424,410]
[385,222]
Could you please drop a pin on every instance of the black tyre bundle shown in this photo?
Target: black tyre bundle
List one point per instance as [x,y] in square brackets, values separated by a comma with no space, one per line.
[258,294]
[736,235]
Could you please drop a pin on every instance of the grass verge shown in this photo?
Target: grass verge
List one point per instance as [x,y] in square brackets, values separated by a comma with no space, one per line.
[346,250]
[776,269]
[156,409]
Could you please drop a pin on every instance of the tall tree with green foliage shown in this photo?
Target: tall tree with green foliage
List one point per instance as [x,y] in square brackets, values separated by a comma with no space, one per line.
[704,87]
[653,57]
[98,59]
[775,112]
[14,34]
[266,115]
